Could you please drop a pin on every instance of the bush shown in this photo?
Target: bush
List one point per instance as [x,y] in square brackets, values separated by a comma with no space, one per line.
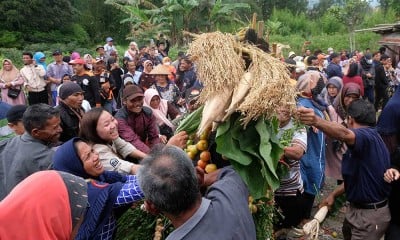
[13,54]
[10,39]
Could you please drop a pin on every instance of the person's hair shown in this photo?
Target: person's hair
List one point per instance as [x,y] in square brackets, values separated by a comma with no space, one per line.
[88,126]
[375,53]
[363,112]
[187,60]
[65,75]
[168,179]
[36,116]
[28,54]
[353,70]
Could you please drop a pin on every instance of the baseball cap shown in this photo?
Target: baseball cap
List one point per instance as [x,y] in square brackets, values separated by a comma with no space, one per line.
[57,52]
[291,53]
[76,61]
[330,49]
[131,92]
[109,39]
[98,47]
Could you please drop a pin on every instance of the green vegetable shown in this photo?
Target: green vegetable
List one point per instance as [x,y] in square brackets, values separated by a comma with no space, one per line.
[191,122]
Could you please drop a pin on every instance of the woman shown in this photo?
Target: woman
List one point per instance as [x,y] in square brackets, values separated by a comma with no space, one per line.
[132,51]
[334,149]
[167,89]
[40,59]
[354,77]
[11,79]
[46,205]
[109,193]
[88,61]
[100,128]
[146,79]
[351,91]
[162,109]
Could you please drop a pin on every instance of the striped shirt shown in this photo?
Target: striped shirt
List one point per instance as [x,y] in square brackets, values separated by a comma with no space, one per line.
[292,182]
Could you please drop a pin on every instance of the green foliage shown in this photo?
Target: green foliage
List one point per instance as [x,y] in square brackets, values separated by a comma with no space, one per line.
[10,39]
[13,54]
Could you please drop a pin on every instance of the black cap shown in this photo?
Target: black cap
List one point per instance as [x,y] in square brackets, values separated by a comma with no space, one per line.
[57,52]
[15,113]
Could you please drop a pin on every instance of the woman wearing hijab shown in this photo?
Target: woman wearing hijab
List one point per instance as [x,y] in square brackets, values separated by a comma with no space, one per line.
[350,92]
[11,78]
[40,59]
[46,205]
[162,109]
[109,193]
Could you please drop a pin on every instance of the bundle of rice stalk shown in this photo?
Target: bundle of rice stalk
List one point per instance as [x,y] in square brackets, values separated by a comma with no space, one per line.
[270,86]
[219,66]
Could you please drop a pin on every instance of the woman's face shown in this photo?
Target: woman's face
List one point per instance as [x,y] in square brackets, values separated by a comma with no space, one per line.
[155,102]
[90,159]
[148,67]
[107,127]
[332,90]
[7,66]
[349,98]
[161,78]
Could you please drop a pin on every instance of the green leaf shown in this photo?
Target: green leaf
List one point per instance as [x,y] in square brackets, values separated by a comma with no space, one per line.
[253,178]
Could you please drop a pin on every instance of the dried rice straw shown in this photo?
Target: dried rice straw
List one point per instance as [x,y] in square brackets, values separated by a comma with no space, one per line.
[219,66]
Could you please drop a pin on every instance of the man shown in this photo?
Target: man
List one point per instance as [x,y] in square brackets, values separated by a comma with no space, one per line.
[381,82]
[178,59]
[170,185]
[334,69]
[35,83]
[136,123]
[5,131]
[290,59]
[109,47]
[23,155]
[312,164]
[14,118]
[389,129]
[71,111]
[312,63]
[87,82]
[368,77]
[363,167]
[55,71]
[132,73]
[100,53]
[187,75]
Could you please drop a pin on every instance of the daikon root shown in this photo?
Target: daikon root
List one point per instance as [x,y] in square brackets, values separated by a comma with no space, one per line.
[239,93]
[311,229]
[214,109]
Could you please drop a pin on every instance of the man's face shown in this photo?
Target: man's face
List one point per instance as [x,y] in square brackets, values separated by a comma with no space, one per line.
[184,66]
[75,100]
[27,59]
[131,67]
[100,51]
[377,57]
[58,58]
[161,47]
[17,127]
[78,68]
[134,105]
[336,60]
[308,52]
[110,43]
[51,132]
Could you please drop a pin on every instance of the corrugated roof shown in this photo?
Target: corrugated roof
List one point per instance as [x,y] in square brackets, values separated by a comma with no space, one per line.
[382,28]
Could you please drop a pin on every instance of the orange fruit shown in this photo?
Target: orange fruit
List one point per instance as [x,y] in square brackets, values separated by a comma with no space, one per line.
[202,145]
[205,156]
[201,164]
[191,155]
[210,168]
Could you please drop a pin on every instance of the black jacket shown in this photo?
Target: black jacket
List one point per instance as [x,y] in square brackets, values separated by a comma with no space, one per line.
[69,122]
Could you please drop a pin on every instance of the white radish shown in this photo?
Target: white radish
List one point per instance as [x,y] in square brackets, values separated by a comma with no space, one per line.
[239,94]
[311,229]
[214,109]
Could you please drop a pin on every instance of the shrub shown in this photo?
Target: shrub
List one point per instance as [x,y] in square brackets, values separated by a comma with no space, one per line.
[10,39]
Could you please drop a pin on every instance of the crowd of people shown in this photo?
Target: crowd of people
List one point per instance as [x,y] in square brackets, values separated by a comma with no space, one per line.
[89,118]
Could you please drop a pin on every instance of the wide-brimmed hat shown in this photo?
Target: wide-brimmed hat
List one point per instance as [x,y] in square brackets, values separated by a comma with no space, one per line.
[160,70]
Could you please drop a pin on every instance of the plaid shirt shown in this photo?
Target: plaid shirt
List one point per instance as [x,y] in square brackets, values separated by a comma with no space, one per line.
[129,193]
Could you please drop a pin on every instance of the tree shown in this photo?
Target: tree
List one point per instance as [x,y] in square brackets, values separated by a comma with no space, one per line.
[351,14]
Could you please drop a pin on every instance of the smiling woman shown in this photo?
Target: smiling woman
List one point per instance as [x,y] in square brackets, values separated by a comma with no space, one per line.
[100,128]
[107,190]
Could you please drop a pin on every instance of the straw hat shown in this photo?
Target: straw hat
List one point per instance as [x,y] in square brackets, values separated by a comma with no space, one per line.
[160,70]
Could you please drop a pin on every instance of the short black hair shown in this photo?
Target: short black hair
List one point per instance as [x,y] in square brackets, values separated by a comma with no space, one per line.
[36,116]
[28,54]
[363,112]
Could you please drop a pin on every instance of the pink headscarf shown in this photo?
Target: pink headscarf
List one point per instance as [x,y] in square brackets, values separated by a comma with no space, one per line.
[161,112]
[75,55]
